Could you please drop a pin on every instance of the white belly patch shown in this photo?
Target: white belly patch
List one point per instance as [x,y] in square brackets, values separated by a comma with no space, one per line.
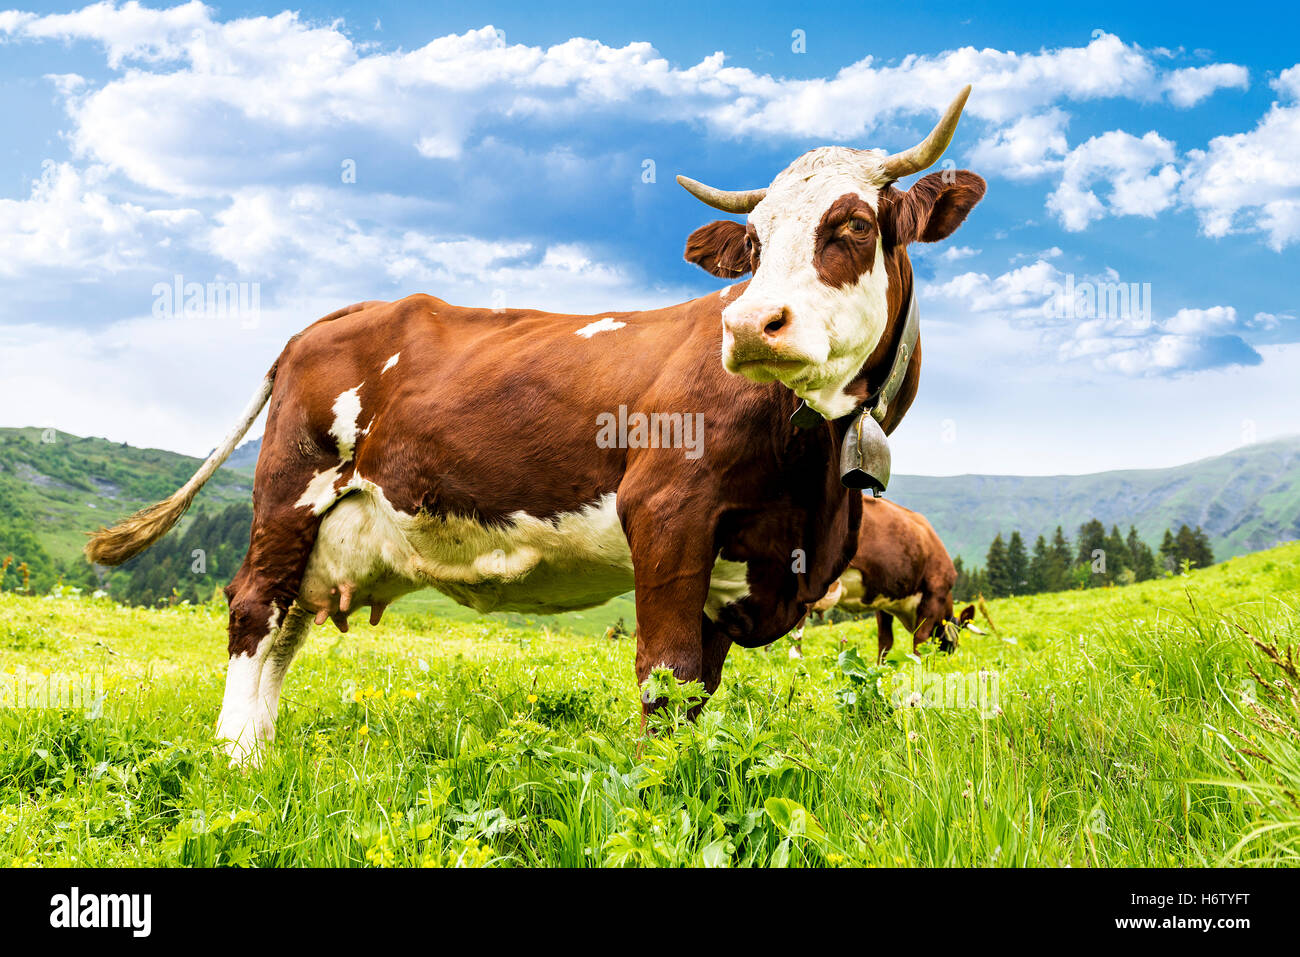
[541,566]
[855,599]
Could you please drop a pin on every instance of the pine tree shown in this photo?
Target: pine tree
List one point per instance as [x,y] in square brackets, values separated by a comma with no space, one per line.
[1144,562]
[1040,567]
[995,568]
[1092,544]
[1059,571]
[1017,565]
[1169,552]
[1185,543]
[1118,559]
[963,588]
[1202,553]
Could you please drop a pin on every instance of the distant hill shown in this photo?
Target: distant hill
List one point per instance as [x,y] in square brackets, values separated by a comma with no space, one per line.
[56,487]
[245,457]
[1246,500]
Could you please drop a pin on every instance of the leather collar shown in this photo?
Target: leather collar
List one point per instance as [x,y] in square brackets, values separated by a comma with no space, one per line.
[888,391]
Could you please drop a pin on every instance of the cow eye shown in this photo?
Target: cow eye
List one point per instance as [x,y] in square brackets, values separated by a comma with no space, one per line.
[857,225]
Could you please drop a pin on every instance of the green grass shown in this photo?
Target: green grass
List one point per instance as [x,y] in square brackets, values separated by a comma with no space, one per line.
[430,741]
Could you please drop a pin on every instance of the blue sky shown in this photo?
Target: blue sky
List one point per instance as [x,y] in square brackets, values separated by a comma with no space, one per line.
[500,155]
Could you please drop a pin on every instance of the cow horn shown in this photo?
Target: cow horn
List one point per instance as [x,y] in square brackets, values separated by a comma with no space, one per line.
[727,200]
[926,153]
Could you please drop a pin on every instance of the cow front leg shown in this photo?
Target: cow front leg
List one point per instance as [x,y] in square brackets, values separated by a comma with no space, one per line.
[796,636]
[672,584]
[716,646]
[668,639]
[884,634]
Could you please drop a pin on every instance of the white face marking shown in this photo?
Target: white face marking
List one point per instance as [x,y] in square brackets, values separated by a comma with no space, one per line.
[392,361]
[832,331]
[608,324]
[347,410]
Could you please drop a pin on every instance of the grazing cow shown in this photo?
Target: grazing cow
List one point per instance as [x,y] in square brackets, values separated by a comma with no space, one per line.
[901,571]
[529,461]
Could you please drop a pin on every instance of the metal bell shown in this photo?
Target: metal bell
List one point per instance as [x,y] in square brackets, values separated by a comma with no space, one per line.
[864,456]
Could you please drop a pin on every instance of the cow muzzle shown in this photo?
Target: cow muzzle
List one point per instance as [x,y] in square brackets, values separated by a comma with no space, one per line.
[759,342]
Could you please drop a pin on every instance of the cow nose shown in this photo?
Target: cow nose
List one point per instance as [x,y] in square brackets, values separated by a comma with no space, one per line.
[776,322]
[759,329]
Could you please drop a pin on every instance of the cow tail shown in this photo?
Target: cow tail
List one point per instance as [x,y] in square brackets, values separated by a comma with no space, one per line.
[131,536]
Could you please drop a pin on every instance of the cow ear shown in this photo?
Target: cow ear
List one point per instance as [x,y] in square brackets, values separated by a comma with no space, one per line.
[719,249]
[967,615]
[935,206]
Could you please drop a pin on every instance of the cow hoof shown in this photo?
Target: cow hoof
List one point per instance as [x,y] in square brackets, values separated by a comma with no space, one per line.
[245,753]
[245,745]
[796,652]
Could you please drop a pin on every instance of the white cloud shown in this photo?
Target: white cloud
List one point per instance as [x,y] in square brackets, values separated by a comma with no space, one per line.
[68,221]
[990,417]
[1108,325]
[187,123]
[1148,354]
[1020,292]
[1215,319]
[954,253]
[1140,173]
[127,32]
[1190,85]
[170,130]
[1031,146]
[1252,180]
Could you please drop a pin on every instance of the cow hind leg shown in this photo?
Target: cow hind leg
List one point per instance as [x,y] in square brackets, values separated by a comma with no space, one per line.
[291,637]
[266,625]
[253,681]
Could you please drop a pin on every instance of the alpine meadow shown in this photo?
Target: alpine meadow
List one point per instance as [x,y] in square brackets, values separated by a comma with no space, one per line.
[1148,725]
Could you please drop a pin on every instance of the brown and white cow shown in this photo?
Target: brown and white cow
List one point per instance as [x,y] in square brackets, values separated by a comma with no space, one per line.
[901,571]
[417,444]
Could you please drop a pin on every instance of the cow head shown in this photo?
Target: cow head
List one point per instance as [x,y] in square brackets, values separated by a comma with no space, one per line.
[822,242]
[952,628]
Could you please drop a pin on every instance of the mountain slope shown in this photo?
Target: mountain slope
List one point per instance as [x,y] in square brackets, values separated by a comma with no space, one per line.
[60,486]
[1246,500]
